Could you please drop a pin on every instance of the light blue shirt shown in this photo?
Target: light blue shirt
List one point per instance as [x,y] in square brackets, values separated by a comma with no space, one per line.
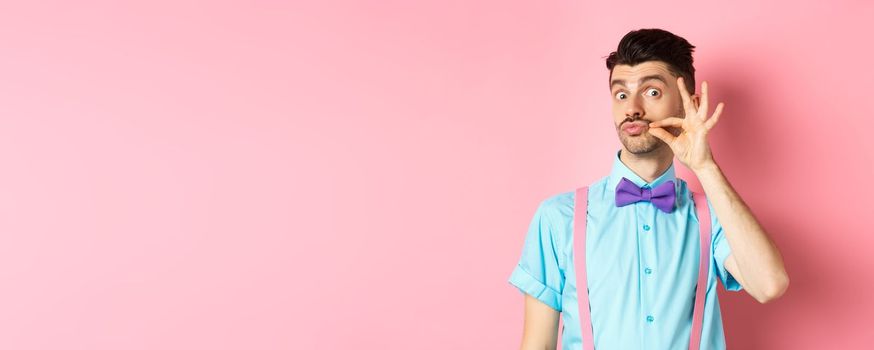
[643,267]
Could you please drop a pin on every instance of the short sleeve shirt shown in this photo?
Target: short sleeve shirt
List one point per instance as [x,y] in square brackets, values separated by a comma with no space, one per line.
[642,267]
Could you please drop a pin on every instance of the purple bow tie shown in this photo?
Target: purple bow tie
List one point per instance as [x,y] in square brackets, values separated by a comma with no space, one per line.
[662,196]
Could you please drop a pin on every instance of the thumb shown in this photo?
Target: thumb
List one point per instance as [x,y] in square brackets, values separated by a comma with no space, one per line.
[662,134]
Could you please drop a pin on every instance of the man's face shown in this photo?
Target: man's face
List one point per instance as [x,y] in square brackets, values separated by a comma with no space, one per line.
[643,94]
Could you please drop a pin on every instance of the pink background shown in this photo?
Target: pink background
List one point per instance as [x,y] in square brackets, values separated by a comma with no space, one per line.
[338,175]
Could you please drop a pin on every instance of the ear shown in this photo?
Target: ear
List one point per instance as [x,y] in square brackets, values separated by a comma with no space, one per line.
[696,100]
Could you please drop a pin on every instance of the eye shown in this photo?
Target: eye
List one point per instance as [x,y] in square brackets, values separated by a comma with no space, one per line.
[653,92]
[620,95]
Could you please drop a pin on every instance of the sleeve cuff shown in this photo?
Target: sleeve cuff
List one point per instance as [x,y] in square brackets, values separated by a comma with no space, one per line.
[527,284]
[728,281]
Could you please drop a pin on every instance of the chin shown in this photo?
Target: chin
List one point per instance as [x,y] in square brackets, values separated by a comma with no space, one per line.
[641,146]
[641,150]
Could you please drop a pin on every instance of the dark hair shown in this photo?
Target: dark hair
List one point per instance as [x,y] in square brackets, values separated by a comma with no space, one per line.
[654,44]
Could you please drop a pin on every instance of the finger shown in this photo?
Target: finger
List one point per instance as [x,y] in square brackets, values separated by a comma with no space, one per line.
[703,105]
[672,121]
[662,134]
[715,118]
[687,100]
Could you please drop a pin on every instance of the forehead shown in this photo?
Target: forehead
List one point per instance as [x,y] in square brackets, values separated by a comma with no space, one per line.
[631,74]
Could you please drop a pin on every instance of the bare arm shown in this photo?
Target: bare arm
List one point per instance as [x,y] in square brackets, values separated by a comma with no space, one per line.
[541,325]
[754,260]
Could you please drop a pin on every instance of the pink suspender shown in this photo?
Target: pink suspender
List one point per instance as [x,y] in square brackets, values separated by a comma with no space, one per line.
[703,267]
[580,209]
[581,205]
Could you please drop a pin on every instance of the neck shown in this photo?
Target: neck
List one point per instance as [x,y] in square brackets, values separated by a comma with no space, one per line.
[649,166]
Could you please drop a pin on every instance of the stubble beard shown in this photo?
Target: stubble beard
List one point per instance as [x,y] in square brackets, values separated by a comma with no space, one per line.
[645,142]
[640,144]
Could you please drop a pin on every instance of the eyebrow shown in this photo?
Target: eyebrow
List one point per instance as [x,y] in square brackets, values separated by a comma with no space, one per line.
[641,81]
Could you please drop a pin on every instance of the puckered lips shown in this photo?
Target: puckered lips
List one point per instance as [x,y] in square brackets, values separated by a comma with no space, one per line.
[635,128]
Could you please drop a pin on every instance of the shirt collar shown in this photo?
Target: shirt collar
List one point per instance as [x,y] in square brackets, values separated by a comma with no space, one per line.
[620,170]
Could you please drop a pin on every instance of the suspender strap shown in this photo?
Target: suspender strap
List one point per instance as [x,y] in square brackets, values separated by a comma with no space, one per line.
[703,267]
[579,252]
[581,204]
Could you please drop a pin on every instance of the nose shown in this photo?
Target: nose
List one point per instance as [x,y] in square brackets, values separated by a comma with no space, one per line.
[633,108]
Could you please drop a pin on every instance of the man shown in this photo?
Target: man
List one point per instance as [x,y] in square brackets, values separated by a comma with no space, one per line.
[643,259]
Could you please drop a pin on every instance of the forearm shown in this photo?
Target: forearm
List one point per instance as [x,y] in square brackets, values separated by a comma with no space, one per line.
[755,254]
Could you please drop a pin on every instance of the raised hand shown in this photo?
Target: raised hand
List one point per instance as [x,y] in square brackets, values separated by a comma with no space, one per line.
[690,146]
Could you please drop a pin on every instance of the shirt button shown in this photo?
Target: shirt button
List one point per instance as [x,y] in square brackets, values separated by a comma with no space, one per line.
[648,271]
[650,319]
[646,227]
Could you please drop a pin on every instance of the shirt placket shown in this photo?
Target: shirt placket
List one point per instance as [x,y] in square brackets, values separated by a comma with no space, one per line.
[647,269]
